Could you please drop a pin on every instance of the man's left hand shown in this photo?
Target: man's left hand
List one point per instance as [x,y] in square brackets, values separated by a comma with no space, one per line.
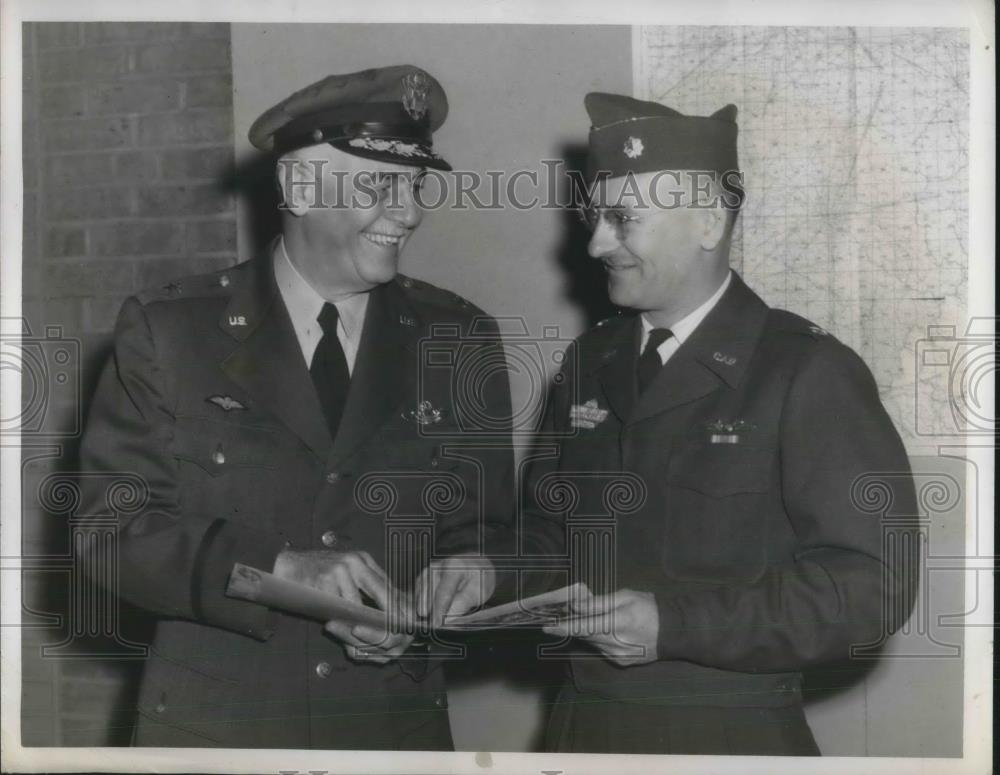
[624,626]
[454,585]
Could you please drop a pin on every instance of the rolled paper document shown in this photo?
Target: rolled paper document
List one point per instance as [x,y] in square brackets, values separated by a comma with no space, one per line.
[258,586]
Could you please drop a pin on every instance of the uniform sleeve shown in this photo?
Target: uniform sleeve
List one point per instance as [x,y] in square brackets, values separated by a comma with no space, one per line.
[170,562]
[842,588]
[485,522]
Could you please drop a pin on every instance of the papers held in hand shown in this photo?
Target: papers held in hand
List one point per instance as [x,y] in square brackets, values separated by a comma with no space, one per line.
[534,611]
[257,586]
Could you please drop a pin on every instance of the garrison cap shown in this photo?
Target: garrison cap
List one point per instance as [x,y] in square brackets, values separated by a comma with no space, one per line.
[630,135]
[385,113]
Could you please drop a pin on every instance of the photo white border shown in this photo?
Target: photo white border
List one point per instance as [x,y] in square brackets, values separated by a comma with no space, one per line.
[977,15]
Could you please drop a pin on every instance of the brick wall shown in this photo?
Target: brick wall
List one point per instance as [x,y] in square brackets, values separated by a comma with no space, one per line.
[127,146]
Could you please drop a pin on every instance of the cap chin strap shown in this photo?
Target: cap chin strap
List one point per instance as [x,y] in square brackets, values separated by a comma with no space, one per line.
[301,134]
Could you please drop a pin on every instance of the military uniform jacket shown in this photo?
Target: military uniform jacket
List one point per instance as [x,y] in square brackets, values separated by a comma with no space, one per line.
[207,402]
[758,477]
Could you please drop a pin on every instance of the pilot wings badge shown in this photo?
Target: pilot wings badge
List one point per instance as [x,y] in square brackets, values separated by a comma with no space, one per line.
[226,403]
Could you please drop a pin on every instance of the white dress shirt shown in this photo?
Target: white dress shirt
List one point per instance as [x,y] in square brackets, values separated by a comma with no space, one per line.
[684,327]
[304,306]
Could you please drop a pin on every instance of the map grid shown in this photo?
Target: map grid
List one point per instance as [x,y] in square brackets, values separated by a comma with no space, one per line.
[854,147]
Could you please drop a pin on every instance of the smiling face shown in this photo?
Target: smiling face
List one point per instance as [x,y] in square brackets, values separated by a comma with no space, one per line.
[354,243]
[660,252]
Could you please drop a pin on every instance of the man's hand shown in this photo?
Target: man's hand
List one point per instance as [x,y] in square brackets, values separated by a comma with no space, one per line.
[345,574]
[454,585]
[369,644]
[624,625]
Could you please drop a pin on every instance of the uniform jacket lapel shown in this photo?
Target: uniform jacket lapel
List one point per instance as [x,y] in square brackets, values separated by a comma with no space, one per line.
[613,360]
[716,354]
[384,371]
[267,360]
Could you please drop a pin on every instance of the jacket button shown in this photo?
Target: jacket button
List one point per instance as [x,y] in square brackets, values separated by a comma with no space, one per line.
[332,477]
[160,707]
[323,669]
[434,462]
[329,539]
[439,701]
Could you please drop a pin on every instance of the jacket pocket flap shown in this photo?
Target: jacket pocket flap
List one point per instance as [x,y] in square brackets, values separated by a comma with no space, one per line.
[719,470]
[219,447]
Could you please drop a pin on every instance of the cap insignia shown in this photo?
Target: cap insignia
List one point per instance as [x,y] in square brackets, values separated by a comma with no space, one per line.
[633,147]
[415,88]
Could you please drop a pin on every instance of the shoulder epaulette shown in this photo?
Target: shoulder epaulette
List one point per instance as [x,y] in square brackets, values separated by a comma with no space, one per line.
[796,324]
[427,293]
[219,283]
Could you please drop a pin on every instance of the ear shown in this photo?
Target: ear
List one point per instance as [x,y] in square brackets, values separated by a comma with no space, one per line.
[713,226]
[297,184]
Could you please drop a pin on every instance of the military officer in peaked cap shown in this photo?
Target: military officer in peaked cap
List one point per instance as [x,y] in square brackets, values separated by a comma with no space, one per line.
[261,405]
[743,430]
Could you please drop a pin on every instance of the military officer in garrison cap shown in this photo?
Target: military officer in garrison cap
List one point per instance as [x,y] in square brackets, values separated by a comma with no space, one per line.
[279,416]
[745,432]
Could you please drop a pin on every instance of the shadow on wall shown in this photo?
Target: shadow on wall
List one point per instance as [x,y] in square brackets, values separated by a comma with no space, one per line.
[586,279]
[253,181]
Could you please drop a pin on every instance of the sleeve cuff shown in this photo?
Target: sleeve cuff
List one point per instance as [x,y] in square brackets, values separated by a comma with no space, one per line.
[222,545]
[672,631]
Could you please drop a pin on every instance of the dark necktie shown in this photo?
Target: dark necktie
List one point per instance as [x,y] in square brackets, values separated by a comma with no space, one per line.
[649,362]
[329,370]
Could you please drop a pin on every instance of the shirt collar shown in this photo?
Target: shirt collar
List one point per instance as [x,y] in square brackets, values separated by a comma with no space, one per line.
[684,327]
[304,304]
